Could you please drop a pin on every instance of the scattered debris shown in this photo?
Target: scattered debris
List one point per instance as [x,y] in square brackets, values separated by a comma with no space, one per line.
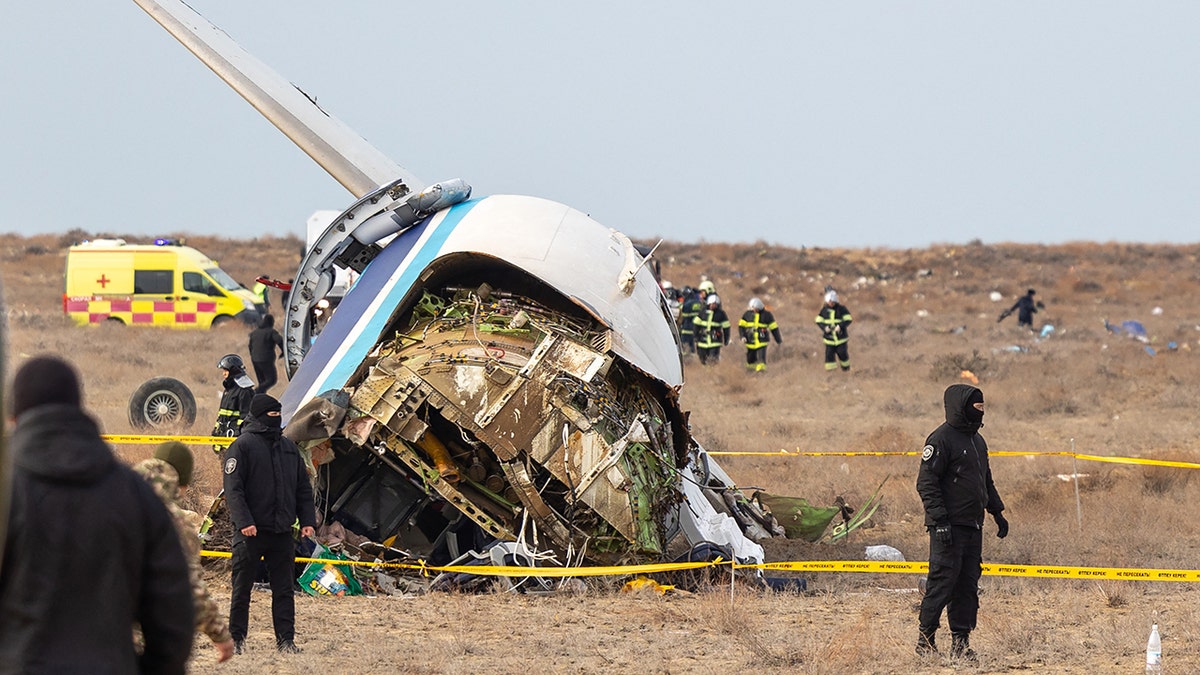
[884,552]
[1132,329]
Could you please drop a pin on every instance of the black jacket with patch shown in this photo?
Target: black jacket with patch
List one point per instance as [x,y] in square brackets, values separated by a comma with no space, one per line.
[90,549]
[955,481]
[266,483]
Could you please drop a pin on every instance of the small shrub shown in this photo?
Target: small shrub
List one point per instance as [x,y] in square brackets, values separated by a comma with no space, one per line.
[950,366]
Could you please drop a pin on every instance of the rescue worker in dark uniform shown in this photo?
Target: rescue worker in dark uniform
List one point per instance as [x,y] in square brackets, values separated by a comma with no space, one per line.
[757,327]
[688,311]
[235,398]
[1025,307]
[268,491]
[712,330]
[833,320]
[264,340]
[956,488]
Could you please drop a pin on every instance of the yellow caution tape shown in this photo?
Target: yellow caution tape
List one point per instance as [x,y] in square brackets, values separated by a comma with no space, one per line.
[189,440]
[868,566]
[993,453]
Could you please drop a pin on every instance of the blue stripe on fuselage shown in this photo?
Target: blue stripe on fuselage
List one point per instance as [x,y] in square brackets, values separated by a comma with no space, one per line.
[355,309]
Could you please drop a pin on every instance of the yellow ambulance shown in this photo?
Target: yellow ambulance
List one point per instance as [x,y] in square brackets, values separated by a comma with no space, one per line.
[161,284]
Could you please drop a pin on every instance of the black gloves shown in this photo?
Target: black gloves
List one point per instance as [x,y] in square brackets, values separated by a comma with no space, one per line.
[1001,525]
[942,534]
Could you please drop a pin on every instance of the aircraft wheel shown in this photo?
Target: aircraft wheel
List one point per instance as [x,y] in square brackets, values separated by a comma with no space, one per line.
[162,403]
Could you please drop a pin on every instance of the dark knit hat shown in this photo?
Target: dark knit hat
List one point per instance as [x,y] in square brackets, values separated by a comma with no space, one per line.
[262,404]
[179,456]
[44,380]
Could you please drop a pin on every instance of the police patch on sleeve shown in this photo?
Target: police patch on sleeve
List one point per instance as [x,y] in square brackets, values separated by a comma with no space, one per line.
[231,465]
[925,455]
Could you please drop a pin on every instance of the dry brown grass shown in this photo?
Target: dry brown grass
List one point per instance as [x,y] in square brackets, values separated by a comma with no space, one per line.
[1082,385]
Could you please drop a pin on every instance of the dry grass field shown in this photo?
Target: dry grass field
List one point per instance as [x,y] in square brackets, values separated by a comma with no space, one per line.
[921,317]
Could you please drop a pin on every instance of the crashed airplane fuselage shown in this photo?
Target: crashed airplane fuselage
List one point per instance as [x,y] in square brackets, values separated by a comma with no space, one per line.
[503,369]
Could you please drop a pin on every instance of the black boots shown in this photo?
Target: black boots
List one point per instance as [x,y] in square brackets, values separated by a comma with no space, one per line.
[926,644]
[960,648]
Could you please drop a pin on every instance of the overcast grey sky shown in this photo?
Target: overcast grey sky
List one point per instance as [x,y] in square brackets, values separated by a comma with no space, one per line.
[819,124]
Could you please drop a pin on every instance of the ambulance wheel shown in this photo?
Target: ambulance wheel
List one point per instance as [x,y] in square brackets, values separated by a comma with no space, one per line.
[221,320]
[162,403]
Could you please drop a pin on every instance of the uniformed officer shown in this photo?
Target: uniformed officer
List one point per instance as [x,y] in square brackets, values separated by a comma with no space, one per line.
[956,488]
[757,326]
[712,330]
[237,391]
[834,320]
[267,490]
[688,311]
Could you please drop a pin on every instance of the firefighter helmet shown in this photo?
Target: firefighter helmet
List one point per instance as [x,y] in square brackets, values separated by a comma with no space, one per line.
[756,305]
[707,286]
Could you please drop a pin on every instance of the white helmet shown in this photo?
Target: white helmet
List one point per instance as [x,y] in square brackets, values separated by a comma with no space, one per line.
[666,285]
[756,304]
[831,296]
[713,299]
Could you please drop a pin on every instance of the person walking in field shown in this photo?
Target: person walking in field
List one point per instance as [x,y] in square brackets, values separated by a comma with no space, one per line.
[757,326]
[1025,307]
[268,491]
[712,331]
[90,550]
[956,489]
[264,340]
[834,320]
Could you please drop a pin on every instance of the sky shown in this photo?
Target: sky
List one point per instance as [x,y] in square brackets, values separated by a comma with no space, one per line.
[886,125]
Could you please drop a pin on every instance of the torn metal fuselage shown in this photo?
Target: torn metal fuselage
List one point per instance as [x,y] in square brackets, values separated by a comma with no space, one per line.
[508,410]
[510,386]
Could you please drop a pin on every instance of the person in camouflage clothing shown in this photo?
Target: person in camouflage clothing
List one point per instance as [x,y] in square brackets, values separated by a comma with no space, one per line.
[169,472]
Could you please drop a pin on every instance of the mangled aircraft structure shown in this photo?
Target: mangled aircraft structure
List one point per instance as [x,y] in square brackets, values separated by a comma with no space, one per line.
[504,369]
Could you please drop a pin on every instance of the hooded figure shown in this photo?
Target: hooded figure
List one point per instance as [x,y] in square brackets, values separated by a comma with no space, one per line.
[264,341]
[956,488]
[90,548]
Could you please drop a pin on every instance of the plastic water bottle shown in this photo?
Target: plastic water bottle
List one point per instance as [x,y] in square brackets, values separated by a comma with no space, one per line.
[1154,653]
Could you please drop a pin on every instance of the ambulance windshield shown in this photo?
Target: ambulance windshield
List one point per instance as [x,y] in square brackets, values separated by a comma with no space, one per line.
[218,275]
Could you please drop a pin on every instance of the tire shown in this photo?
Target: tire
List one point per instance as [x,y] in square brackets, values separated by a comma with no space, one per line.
[220,321]
[162,403]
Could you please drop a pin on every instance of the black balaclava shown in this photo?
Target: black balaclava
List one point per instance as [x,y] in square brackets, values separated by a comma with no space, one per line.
[960,410]
[974,417]
[261,407]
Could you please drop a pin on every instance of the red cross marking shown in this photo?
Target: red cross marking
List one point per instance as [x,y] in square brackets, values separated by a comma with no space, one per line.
[103,280]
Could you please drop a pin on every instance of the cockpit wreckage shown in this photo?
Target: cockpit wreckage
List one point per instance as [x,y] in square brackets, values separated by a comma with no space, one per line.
[502,376]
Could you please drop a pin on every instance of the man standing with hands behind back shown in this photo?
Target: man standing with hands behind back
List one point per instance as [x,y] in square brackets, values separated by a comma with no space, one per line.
[267,489]
[955,484]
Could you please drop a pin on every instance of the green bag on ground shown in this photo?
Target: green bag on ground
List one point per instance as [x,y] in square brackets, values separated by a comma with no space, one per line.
[800,520]
[329,578]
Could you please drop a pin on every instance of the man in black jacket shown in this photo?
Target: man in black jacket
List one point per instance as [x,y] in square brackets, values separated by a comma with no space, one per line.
[90,548]
[955,484]
[264,340]
[267,489]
